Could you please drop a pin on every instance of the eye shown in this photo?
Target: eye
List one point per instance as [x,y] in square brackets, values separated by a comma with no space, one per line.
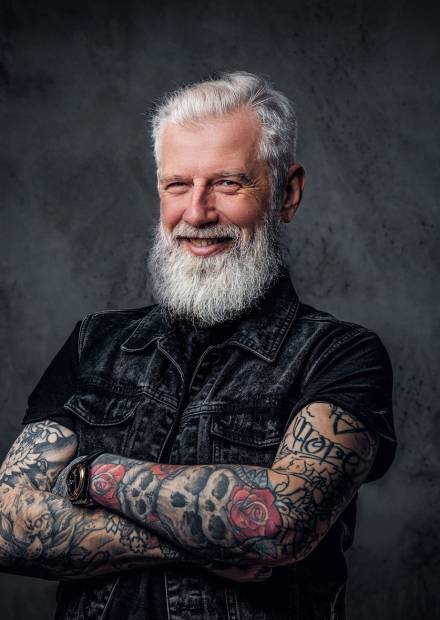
[176,187]
[228,182]
[227,186]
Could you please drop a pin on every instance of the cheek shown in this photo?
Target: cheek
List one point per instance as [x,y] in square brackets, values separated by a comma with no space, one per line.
[171,212]
[242,212]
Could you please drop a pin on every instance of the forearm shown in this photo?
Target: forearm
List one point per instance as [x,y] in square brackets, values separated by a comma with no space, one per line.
[43,535]
[245,513]
[223,513]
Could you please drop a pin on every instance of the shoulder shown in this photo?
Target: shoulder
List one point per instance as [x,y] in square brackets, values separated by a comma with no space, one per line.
[319,318]
[112,325]
[325,336]
[313,320]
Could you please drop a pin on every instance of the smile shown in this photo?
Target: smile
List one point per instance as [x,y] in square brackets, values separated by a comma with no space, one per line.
[206,246]
[202,243]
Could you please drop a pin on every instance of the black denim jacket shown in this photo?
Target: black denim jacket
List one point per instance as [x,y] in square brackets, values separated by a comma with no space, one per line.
[132,394]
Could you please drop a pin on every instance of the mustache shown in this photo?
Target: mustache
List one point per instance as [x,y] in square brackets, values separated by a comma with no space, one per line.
[184,230]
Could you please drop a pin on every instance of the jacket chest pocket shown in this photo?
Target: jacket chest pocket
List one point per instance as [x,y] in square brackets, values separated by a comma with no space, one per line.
[105,418]
[247,435]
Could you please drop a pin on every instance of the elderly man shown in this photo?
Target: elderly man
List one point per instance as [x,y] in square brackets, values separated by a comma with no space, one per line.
[200,458]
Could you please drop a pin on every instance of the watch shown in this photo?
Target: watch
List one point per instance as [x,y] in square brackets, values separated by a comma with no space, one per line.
[77,480]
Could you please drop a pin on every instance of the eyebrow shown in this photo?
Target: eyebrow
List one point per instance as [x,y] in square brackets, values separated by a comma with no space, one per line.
[231,173]
[221,173]
[173,177]
[234,173]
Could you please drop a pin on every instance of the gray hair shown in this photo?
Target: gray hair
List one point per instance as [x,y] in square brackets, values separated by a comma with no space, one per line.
[225,94]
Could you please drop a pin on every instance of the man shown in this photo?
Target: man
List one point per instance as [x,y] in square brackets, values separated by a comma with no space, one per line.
[201,458]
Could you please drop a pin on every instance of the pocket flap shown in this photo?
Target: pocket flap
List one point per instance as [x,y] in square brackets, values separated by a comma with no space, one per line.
[99,407]
[250,426]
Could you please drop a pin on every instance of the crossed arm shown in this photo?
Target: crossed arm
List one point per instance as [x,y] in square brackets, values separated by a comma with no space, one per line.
[43,535]
[245,513]
[208,514]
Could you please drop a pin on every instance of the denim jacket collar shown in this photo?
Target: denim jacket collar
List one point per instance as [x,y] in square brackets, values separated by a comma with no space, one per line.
[149,329]
[261,330]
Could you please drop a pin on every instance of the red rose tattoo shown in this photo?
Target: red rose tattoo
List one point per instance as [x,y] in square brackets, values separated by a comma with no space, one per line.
[253,512]
[104,481]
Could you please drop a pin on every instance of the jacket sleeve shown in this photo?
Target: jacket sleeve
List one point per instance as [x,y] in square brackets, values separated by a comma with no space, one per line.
[56,385]
[354,372]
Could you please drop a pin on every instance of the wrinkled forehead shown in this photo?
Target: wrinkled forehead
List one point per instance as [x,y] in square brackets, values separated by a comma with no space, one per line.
[228,142]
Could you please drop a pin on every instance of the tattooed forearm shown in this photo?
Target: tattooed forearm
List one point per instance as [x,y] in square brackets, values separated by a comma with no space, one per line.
[42,534]
[244,513]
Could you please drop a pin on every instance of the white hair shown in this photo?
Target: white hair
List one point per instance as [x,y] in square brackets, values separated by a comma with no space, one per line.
[213,289]
[225,94]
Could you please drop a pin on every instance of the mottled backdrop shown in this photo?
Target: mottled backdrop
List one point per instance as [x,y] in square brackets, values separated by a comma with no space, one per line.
[78,203]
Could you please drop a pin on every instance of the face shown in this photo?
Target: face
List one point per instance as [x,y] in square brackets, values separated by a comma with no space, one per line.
[210,177]
[216,249]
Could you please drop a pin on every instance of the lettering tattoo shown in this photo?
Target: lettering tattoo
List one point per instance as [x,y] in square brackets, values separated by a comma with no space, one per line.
[245,513]
[43,535]
[307,441]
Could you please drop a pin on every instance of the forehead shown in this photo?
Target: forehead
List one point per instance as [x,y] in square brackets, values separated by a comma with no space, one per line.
[227,142]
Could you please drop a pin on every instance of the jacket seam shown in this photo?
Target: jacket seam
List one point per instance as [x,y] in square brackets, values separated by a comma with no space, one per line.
[336,321]
[83,334]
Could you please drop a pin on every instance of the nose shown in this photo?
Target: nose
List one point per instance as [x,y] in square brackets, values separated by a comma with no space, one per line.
[201,210]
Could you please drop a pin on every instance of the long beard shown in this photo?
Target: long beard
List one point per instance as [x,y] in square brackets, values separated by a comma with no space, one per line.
[213,289]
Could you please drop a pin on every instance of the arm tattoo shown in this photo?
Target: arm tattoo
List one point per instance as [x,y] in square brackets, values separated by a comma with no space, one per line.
[246,513]
[308,442]
[38,455]
[42,534]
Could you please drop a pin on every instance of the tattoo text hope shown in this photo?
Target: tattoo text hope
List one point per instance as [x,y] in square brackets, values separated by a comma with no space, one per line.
[309,442]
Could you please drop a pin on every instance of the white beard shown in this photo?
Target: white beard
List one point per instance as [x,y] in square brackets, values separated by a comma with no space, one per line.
[213,289]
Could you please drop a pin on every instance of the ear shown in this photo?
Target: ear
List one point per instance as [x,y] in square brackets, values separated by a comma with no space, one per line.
[293,192]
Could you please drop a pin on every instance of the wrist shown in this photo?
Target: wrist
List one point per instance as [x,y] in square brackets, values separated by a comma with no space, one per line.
[77,481]
[104,480]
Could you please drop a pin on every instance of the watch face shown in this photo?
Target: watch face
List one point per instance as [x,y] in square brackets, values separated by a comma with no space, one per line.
[75,481]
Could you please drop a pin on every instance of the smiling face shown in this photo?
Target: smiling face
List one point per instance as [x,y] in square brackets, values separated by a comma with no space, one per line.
[216,250]
[210,180]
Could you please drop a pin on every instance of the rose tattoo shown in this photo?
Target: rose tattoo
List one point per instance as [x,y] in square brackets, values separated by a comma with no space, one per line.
[253,512]
[104,480]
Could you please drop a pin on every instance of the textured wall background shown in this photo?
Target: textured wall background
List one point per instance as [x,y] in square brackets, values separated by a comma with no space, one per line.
[78,201]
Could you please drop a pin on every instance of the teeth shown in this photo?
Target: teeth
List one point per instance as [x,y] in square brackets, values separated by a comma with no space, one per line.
[202,243]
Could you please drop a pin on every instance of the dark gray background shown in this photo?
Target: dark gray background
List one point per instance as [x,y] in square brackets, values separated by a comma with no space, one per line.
[78,202]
